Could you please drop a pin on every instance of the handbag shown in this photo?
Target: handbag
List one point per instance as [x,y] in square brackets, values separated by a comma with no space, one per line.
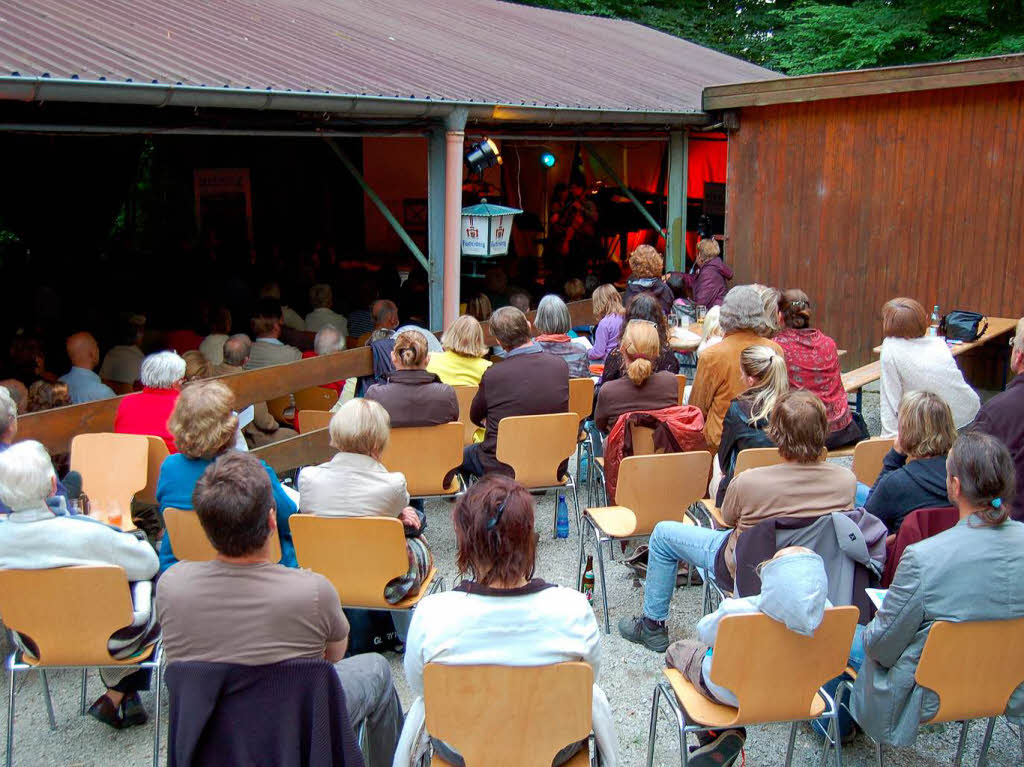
[964,326]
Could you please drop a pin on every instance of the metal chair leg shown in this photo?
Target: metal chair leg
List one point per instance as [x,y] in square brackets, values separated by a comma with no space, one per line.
[839,741]
[604,588]
[579,564]
[85,674]
[986,741]
[789,745]
[652,733]
[49,700]
[10,717]
[878,754]
[156,723]
[962,743]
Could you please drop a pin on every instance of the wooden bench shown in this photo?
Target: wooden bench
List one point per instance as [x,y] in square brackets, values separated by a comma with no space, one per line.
[855,380]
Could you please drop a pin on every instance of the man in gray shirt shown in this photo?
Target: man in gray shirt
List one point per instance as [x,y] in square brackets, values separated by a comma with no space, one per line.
[242,608]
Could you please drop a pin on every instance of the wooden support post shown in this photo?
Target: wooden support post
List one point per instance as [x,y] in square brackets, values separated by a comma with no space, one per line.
[455,139]
[675,241]
[436,225]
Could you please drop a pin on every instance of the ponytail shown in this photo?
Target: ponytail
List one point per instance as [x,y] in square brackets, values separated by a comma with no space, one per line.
[768,367]
[411,349]
[639,370]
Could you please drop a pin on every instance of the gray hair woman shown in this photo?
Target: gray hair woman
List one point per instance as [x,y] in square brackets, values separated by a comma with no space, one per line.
[35,539]
[719,378]
[553,324]
[147,411]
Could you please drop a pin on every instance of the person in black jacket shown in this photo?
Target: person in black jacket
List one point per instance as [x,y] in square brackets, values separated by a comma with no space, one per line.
[746,421]
[913,473]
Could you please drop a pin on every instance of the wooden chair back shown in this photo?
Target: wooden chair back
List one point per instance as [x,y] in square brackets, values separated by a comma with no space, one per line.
[69,612]
[315,398]
[867,458]
[425,455]
[643,440]
[536,445]
[581,397]
[522,715]
[783,689]
[155,459]
[755,458]
[465,394]
[277,407]
[311,420]
[973,667]
[359,555]
[189,541]
[681,381]
[113,468]
[661,487]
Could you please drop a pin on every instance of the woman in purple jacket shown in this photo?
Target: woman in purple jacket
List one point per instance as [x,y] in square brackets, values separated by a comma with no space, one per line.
[608,313]
[710,284]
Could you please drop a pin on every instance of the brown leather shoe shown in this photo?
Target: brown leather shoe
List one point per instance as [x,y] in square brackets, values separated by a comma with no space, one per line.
[132,711]
[105,710]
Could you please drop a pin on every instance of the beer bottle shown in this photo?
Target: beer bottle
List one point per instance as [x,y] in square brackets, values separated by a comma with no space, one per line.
[588,579]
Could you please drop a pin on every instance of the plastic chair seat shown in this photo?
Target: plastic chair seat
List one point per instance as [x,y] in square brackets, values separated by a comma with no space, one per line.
[618,521]
[716,514]
[716,715]
[142,655]
[411,601]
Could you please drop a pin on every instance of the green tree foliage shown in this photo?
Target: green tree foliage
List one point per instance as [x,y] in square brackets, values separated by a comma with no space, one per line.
[802,36]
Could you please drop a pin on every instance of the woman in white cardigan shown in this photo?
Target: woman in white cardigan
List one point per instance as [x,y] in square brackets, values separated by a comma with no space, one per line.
[502,616]
[913,361]
[33,538]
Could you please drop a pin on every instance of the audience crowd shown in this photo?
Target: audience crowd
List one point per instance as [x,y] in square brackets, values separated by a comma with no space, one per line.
[764,377]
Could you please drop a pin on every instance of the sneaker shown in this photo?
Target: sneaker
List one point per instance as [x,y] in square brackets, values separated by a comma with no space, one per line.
[105,711]
[723,750]
[132,710]
[636,630]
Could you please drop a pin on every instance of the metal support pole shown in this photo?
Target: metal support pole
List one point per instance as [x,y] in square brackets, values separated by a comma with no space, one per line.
[435,225]
[455,139]
[376,200]
[675,242]
[625,190]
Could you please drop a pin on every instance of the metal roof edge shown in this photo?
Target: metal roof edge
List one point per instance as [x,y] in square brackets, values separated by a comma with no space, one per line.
[17,88]
[866,82]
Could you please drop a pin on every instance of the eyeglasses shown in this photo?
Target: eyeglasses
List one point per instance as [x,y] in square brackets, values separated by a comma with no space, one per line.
[492,523]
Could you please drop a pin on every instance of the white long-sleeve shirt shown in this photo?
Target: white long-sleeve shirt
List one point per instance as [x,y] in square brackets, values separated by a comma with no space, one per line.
[536,625]
[923,364]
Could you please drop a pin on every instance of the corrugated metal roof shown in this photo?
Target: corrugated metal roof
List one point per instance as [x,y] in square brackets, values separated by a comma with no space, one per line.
[479,51]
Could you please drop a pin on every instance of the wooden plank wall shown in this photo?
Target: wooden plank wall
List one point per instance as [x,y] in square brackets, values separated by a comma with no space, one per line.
[862,199]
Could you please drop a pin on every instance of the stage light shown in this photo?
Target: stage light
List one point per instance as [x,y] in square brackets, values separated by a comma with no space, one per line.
[547,159]
[482,156]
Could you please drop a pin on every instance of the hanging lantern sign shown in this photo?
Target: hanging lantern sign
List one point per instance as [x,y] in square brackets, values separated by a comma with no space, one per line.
[486,229]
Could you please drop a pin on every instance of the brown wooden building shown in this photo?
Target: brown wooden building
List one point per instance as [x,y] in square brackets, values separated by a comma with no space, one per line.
[861,186]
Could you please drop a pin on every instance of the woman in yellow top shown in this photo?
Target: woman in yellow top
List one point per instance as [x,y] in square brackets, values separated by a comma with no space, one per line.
[462,362]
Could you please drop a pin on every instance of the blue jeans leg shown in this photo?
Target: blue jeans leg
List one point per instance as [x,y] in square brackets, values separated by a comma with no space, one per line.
[671,543]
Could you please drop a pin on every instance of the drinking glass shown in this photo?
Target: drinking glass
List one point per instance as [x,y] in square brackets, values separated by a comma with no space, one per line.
[702,312]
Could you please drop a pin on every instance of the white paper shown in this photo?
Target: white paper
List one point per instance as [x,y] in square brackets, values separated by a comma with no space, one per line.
[877,596]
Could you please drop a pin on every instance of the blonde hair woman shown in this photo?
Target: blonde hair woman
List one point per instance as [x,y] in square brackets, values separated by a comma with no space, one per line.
[746,421]
[413,396]
[204,427]
[462,362]
[641,388]
[354,483]
[609,314]
[913,472]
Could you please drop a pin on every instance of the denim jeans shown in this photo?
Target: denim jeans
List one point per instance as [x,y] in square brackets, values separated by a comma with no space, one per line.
[671,543]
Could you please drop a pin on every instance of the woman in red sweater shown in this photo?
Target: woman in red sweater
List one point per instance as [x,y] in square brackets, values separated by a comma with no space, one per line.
[147,411]
[812,362]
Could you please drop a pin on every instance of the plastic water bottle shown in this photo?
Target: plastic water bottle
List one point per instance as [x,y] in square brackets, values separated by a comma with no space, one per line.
[562,518]
[935,322]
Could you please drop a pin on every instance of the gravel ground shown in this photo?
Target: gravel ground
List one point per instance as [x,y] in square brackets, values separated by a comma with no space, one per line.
[628,675]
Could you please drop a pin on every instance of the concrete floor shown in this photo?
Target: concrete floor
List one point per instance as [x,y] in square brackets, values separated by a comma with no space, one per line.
[628,675]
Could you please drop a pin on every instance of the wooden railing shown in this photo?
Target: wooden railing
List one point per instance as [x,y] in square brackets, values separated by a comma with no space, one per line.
[56,428]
